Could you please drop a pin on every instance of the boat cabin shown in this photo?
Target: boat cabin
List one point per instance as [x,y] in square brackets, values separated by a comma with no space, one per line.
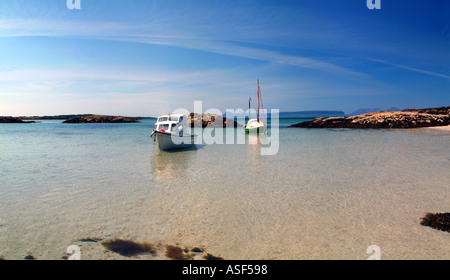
[173,123]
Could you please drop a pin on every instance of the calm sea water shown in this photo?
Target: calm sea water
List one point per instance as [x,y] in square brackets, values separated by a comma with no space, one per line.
[327,194]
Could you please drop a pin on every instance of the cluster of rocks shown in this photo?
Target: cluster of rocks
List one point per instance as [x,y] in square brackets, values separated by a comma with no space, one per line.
[101,119]
[13,120]
[391,119]
[210,120]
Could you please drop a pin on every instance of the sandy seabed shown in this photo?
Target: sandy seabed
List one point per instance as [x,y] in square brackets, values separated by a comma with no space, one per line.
[441,128]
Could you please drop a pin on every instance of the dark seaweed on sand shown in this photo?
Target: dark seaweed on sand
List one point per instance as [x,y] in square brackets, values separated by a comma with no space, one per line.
[129,248]
[198,250]
[29,258]
[439,221]
[91,239]
[176,253]
[210,257]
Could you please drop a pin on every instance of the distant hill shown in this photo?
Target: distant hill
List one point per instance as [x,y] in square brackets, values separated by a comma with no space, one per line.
[310,114]
[68,117]
[58,117]
[299,114]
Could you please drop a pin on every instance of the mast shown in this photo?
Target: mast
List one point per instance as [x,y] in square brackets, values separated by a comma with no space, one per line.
[262,108]
[249,111]
[257,93]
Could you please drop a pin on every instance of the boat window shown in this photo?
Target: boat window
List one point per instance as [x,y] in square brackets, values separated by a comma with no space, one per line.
[164,127]
[173,119]
[162,119]
[181,119]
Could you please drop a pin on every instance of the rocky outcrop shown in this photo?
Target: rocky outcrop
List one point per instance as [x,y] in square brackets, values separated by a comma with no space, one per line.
[210,120]
[57,117]
[391,119]
[12,120]
[101,119]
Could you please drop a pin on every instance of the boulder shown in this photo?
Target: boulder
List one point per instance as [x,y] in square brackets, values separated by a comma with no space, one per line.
[210,120]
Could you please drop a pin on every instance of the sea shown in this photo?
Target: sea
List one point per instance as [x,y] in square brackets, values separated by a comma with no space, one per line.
[324,194]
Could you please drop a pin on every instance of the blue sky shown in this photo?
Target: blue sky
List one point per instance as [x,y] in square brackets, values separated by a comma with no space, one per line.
[145,58]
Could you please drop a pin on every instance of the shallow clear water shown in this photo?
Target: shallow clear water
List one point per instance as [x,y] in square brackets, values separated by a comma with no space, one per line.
[327,194]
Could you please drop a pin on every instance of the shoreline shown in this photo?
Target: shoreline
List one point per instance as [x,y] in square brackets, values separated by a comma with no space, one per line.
[439,128]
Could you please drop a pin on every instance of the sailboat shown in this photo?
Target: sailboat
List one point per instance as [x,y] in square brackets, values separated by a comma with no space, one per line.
[256,125]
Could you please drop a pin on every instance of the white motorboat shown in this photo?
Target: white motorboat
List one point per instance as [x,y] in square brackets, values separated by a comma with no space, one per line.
[172,132]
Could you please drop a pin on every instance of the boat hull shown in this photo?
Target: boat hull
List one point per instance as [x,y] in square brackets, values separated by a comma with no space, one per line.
[164,141]
[258,130]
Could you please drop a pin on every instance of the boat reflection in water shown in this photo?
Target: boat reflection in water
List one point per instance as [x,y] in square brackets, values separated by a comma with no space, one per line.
[167,166]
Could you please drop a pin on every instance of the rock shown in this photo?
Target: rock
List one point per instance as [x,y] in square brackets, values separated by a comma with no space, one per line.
[210,120]
[12,120]
[391,119]
[101,119]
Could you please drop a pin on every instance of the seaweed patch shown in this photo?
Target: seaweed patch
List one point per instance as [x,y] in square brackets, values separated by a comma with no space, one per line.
[177,253]
[29,257]
[129,248]
[198,250]
[210,257]
[92,240]
[440,221]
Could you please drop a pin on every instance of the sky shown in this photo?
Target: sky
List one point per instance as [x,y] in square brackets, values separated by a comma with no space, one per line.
[147,58]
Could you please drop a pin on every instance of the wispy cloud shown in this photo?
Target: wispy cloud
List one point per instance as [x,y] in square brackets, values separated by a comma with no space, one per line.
[233,49]
[412,68]
[154,33]
[139,34]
